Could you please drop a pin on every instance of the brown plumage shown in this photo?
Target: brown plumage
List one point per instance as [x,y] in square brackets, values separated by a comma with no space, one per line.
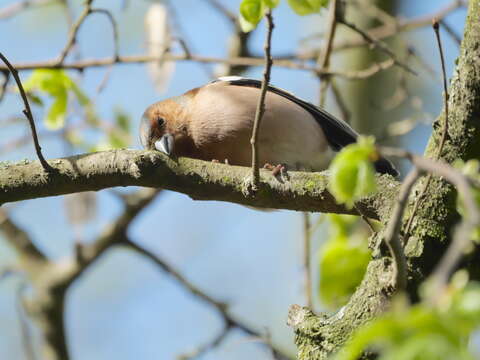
[215,122]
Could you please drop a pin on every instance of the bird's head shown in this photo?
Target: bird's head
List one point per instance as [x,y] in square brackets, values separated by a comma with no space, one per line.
[157,130]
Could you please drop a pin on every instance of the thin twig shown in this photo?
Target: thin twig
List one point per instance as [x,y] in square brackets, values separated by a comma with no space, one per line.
[375,12]
[222,308]
[261,101]
[15,8]
[393,230]
[438,154]
[470,221]
[72,37]
[238,61]
[175,274]
[378,44]
[342,106]
[200,351]
[451,32]
[19,239]
[223,10]
[25,327]
[28,114]
[445,89]
[385,31]
[6,80]
[307,237]
[323,64]
[324,61]
[108,14]
[463,234]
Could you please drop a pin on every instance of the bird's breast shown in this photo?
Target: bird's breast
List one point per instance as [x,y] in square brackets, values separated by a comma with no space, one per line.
[222,124]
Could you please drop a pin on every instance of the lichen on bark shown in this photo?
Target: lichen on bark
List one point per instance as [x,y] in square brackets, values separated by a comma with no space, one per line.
[318,336]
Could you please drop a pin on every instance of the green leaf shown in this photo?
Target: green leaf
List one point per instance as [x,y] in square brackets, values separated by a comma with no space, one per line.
[343,260]
[306,7]
[122,120]
[81,97]
[272,4]
[58,85]
[34,98]
[116,140]
[245,25]
[251,12]
[74,138]
[352,172]
[55,118]
[422,331]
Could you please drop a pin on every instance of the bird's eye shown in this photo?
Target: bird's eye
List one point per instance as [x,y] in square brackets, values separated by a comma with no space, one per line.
[160,121]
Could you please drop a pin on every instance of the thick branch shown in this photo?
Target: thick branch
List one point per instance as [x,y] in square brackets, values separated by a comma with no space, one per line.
[54,280]
[200,180]
[19,239]
[316,336]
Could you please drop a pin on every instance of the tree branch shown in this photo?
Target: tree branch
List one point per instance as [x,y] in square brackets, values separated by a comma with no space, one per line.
[200,180]
[319,336]
[237,61]
[19,239]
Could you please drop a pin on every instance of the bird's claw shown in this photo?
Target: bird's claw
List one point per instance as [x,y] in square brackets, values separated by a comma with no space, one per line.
[279,169]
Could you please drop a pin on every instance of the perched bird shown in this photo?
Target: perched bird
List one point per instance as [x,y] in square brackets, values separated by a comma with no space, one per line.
[214,122]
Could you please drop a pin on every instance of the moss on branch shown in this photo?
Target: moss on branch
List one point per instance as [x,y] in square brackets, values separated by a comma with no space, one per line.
[318,336]
[199,179]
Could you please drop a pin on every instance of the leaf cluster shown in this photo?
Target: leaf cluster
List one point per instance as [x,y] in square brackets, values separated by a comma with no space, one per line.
[423,331]
[252,11]
[343,260]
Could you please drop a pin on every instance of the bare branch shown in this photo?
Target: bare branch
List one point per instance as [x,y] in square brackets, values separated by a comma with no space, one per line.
[28,113]
[261,102]
[456,37]
[444,131]
[393,230]
[378,44]
[324,61]
[470,221]
[19,239]
[238,61]
[229,320]
[203,349]
[116,45]
[15,8]
[385,31]
[307,237]
[184,282]
[3,89]
[72,37]
[223,10]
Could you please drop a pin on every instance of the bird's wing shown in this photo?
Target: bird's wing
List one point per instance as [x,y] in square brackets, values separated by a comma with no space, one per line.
[337,132]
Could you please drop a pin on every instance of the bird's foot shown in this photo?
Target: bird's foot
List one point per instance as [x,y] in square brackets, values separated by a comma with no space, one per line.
[215,161]
[280,169]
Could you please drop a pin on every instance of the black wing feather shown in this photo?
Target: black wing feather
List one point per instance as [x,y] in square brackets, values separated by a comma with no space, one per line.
[337,132]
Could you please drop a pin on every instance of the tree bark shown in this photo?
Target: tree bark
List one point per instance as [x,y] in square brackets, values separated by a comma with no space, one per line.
[200,180]
[319,336]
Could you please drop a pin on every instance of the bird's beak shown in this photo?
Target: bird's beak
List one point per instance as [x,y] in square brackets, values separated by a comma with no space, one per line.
[165,144]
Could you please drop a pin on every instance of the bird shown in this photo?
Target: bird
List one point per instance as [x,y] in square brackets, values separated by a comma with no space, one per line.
[214,122]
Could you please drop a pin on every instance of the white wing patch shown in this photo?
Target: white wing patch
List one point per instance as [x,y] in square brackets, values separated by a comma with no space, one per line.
[252,81]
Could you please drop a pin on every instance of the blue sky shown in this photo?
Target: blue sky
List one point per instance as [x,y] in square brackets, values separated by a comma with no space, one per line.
[125,307]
